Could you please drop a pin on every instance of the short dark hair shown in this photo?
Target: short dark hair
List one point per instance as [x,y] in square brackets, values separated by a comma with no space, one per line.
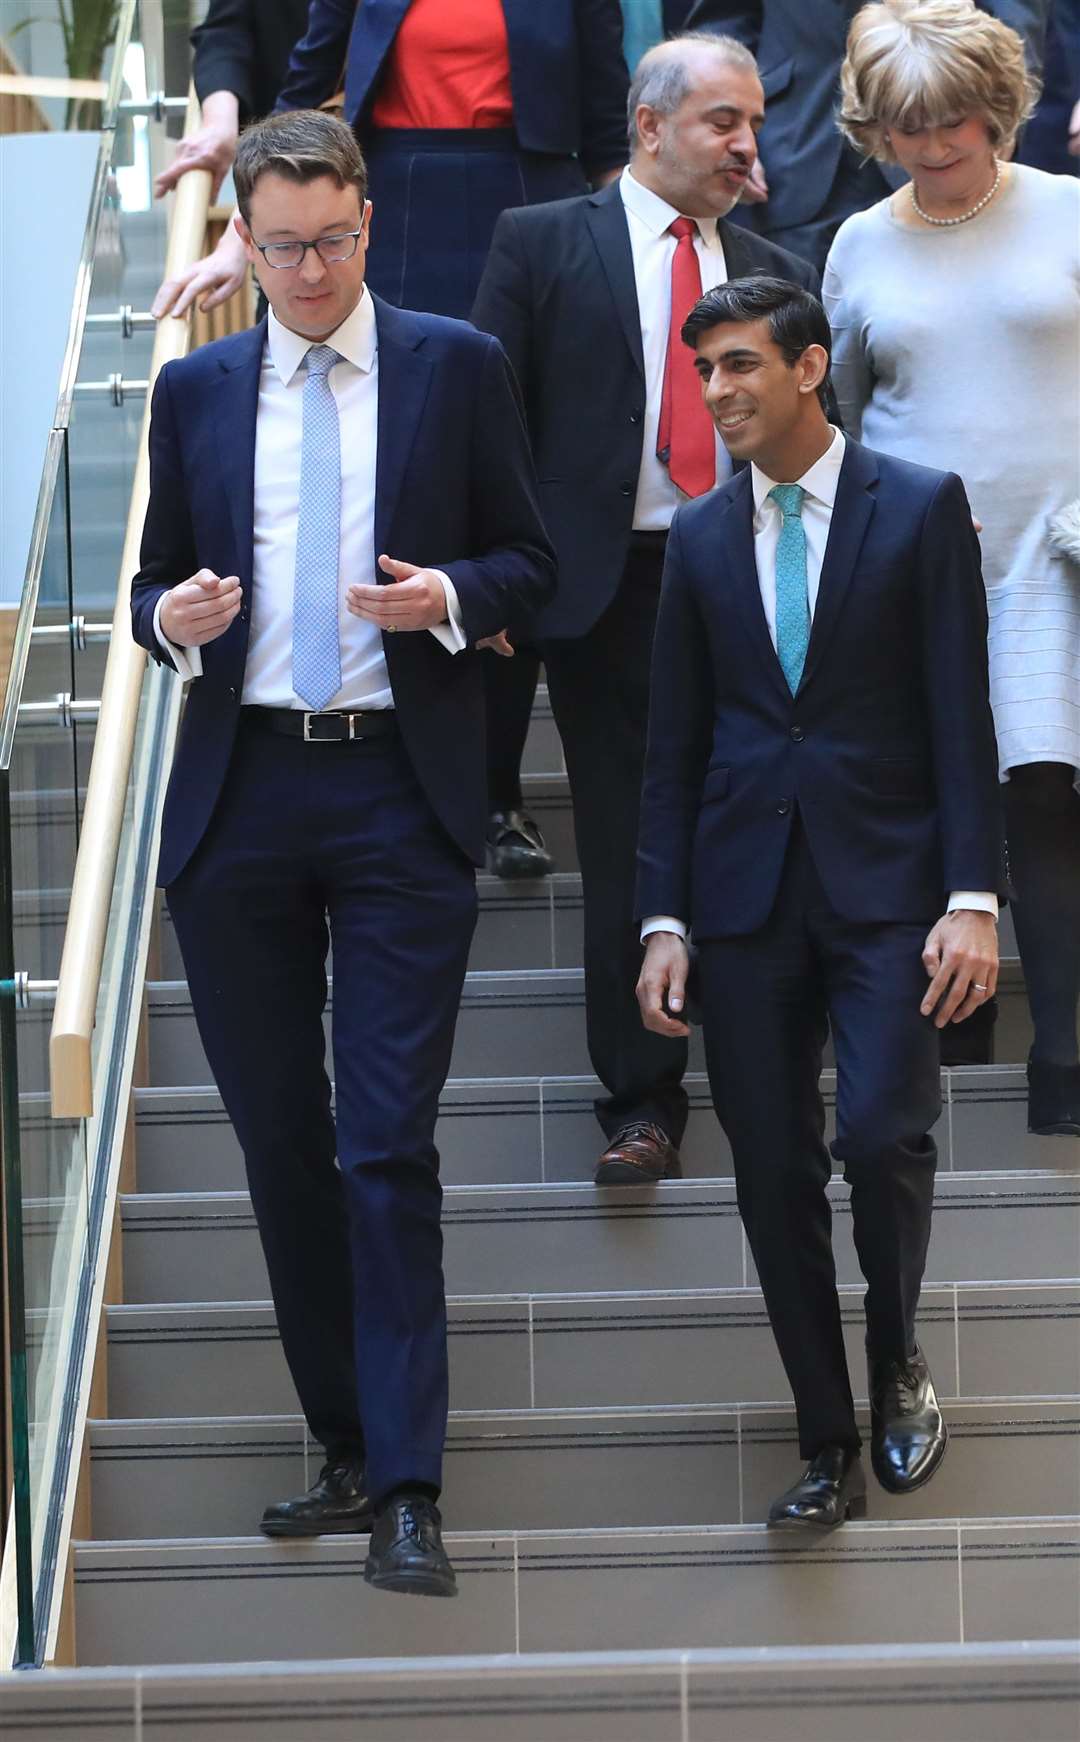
[301,145]
[796,319]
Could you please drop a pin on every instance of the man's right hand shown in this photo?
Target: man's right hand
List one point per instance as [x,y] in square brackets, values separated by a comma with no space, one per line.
[663,975]
[213,280]
[201,609]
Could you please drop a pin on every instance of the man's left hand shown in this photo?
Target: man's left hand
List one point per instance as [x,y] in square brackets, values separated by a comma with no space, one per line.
[413,599]
[961,959]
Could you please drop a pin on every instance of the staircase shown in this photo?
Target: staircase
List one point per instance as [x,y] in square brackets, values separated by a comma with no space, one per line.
[620,1420]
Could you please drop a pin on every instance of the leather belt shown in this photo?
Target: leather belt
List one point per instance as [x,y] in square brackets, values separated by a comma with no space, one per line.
[329,728]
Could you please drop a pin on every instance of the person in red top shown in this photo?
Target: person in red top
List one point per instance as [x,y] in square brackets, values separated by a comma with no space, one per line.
[463,110]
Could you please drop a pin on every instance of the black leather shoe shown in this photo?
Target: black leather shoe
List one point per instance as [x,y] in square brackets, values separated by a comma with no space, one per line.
[1053,1099]
[338,1504]
[907,1433]
[515,846]
[406,1551]
[638,1155]
[831,1489]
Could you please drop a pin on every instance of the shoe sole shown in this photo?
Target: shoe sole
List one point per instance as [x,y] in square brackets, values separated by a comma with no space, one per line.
[411,1584]
[625,1173]
[903,1488]
[519,874]
[341,1527]
[854,1508]
[1065,1128]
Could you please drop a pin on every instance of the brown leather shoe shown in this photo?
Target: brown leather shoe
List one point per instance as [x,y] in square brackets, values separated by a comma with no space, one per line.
[638,1155]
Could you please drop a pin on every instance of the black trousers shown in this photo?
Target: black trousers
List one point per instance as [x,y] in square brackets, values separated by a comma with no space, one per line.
[509,692]
[769,1000]
[313,843]
[599,688]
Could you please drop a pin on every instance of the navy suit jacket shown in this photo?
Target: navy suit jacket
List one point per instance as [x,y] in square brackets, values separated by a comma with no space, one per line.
[559,291]
[799,49]
[454,489]
[567,72]
[887,750]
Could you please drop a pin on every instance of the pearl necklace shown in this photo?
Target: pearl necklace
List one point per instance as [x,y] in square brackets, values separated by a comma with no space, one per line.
[965,217]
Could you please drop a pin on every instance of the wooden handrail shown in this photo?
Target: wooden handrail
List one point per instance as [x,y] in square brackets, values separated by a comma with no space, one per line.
[70,1069]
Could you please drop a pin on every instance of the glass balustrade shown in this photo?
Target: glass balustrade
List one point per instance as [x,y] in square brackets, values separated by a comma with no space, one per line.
[58,1172]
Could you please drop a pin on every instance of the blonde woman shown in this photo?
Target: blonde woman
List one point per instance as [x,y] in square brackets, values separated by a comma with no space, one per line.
[956,321]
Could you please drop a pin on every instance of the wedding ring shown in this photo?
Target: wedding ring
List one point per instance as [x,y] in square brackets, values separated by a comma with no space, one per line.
[975,987]
[391,628]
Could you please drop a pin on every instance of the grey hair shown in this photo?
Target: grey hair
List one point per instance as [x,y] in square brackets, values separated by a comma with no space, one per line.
[662,79]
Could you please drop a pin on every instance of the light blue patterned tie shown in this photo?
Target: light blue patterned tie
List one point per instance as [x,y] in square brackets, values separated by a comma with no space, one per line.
[792,598]
[316,667]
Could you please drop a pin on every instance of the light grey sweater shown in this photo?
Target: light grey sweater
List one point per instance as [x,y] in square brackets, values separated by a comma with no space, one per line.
[960,349]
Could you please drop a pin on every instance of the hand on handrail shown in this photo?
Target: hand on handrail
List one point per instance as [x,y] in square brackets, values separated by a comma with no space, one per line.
[213,280]
[212,146]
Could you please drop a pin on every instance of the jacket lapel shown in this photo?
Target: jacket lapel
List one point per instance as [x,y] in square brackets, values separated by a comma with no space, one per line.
[234,410]
[404,381]
[606,218]
[851,516]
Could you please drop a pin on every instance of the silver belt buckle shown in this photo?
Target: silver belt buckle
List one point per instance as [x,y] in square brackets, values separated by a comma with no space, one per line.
[318,715]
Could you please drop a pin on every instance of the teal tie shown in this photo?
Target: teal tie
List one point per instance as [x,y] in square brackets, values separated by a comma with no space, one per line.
[792,598]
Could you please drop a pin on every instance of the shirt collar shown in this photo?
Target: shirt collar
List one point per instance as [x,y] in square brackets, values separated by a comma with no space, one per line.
[819,481]
[356,340]
[655,213]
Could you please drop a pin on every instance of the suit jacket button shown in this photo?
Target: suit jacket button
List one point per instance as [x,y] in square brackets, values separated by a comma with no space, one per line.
[797,734]
[626,489]
[783,807]
[635,417]
[233,691]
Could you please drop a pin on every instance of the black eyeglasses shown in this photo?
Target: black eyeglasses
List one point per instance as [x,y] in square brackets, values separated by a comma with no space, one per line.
[330,249]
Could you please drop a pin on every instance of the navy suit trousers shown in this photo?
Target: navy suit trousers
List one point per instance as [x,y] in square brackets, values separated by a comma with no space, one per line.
[313,845]
[769,999]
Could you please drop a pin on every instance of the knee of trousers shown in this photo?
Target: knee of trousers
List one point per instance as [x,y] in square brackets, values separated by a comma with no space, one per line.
[873,1160]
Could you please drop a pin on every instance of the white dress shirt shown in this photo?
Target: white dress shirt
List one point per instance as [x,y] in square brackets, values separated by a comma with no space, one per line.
[648,218]
[820,483]
[365,682]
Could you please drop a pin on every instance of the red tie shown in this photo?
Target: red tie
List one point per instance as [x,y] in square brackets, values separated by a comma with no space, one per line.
[685,440]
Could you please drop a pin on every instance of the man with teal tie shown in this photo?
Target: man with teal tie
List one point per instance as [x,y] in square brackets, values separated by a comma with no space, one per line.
[821,807]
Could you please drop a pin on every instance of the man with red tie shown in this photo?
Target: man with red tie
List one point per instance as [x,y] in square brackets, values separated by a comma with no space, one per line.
[588,296]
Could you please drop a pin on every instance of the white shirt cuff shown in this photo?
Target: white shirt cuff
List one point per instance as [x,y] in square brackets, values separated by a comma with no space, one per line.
[450,634]
[974,901]
[662,922]
[187,660]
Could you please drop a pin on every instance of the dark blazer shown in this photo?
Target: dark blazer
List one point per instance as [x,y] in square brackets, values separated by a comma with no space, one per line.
[799,49]
[244,46]
[567,71]
[454,489]
[559,291]
[887,751]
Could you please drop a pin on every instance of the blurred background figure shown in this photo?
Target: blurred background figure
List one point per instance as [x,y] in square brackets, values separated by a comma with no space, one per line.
[956,322]
[810,179]
[462,111]
[241,55]
[647,22]
[1051,138]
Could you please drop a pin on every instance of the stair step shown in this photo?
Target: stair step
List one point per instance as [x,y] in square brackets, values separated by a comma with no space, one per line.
[945,1693]
[589,1351]
[537,1130]
[241,1599]
[543,1239]
[581,1469]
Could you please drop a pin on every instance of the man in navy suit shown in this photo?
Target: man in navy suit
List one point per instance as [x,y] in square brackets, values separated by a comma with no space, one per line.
[820,805]
[329,785]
